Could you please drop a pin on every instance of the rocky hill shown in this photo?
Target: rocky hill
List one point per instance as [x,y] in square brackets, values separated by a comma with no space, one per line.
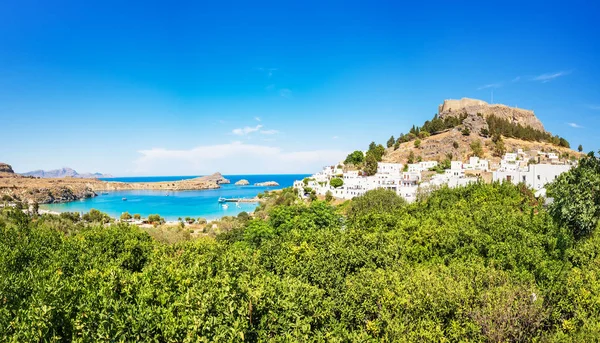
[473,106]
[65,172]
[465,128]
[458,146]
[6,168]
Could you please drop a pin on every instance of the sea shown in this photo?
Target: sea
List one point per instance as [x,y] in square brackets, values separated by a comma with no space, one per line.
[172,205]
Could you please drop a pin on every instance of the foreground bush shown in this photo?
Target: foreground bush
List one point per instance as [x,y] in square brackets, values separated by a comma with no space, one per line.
[479,263]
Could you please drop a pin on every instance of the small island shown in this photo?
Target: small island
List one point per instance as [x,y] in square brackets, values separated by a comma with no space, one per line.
[242,182]
[267,184]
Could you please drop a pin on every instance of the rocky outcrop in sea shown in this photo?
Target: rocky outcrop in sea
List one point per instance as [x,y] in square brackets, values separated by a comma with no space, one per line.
[242,182]
[267,184]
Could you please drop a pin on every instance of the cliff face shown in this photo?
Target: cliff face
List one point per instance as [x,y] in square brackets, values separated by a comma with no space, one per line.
[6,168]
[474,106]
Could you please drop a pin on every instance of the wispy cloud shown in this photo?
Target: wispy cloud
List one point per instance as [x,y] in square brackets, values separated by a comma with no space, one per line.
[268,71]
[550,76]
[269,132]
[233,158]
[491,85]
[285,92]
[575,125]
[335,137]
[246,130]
[257,118]
[594,107]
[516,79]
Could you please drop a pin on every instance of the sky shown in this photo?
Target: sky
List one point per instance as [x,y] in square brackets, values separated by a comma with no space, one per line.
[190,88]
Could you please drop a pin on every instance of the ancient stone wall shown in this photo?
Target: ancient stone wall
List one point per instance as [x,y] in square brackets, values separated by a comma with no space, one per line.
[473,106]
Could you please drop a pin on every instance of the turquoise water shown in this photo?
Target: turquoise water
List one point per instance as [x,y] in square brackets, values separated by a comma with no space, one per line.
[174,204]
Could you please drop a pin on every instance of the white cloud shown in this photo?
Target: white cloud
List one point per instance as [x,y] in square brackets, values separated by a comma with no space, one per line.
[550,76]
[232,158]
[575,125]
[491,85]
[246,130]
[335,137]
[285,92]
[257,118]
[269,132]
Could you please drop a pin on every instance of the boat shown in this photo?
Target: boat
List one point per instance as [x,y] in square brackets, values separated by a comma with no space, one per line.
[104,193]
[222,200]
[225,206]
[124,199]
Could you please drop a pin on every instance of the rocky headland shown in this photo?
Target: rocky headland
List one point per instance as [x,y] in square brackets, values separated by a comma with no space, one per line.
[51,190]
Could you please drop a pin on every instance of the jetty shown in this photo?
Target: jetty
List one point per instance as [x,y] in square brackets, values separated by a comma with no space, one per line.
[224,200]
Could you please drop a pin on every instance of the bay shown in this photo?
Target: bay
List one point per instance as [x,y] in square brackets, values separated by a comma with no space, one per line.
[177,204]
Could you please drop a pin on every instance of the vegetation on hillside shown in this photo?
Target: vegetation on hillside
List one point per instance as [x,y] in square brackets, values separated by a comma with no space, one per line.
[499,126]
[486,262]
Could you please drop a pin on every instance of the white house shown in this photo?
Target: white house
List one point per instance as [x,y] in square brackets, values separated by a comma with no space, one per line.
[475,163]
[536,176]
[389,168]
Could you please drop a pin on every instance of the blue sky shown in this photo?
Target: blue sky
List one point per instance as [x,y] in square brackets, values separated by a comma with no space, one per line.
[159,88]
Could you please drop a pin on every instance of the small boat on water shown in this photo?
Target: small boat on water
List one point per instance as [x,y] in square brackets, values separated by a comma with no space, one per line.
[225,206]
[124,199]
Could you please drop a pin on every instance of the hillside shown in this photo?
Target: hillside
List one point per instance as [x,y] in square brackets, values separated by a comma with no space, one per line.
[441,146]
[458,128]
[65,172]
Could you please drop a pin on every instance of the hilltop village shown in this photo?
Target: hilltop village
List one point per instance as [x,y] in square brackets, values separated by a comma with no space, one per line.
[467,140]
[533,168]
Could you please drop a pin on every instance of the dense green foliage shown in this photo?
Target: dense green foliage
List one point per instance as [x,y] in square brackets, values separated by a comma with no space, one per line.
[576,197]
[336,182]
[355,158]
[478,263]
[500,126]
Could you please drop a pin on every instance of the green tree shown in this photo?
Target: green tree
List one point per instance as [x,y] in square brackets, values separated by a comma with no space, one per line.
[336,182]
[328,196]
[35,208]
[155,219]
[417,143]
[455,145]
[476,148]
[576,197]
[499,147]
[355,158]
[391,141]
[137,216]
[411,157]
[126,216]
[580,148]
[466,131]
[370,164]
[95,216]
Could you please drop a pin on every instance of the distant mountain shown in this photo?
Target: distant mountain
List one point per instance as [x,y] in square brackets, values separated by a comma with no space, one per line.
[65,172]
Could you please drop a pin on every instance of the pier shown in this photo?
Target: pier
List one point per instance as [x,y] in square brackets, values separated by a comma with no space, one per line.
[237,200]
